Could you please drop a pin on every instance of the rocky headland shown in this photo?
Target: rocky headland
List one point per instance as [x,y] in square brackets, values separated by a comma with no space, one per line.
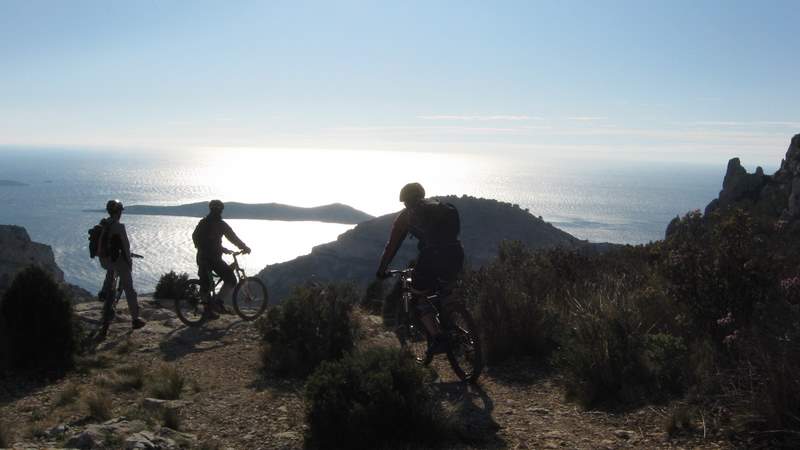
[354,255]
[333,213]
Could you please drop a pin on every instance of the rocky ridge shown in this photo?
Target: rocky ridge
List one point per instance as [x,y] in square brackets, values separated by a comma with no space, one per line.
[354,255]
[776,195]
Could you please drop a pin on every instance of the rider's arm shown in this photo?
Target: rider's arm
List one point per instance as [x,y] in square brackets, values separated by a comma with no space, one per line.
[396,238]
[231,236]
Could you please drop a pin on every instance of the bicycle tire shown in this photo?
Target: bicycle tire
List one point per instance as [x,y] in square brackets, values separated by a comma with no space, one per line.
[189,307]
[465,354]
[250,298]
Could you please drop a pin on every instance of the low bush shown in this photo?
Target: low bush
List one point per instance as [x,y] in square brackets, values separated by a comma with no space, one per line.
[5,437]
[68,394]
[313,325]
[373,399]
[37,317]
[171,285]
[98,405]
[165,383]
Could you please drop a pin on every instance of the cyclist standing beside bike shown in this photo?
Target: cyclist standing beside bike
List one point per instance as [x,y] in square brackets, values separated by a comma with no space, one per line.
[207,237]
[441,257]
[115,257]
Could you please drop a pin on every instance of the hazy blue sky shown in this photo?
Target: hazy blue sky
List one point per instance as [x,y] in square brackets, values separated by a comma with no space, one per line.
[694,80]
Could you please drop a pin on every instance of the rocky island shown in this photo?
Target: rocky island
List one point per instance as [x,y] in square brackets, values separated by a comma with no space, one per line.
[333,213]
[11,183]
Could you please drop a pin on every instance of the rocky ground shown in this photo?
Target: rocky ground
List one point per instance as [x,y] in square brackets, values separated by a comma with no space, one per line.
[226,402]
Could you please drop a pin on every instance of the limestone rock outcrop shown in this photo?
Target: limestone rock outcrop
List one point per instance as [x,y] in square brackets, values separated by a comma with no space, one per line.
[776,195]
[17,251]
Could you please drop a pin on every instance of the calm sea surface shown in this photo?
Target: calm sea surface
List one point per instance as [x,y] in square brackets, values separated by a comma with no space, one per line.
[609,201]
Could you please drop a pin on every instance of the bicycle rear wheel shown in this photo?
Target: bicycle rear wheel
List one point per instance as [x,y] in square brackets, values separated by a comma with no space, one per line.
[189,306]
[250,298]
[464,354]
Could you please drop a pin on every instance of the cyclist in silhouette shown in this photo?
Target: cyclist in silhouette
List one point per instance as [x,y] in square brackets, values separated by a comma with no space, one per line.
[207,237]
[441,257]
[115,256]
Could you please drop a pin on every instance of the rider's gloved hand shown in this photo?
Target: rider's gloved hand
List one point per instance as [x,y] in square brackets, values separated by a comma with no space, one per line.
[246,250]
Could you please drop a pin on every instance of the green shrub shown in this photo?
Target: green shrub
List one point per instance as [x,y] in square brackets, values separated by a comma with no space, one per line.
[37,324]
[170,285]
[166,383]
[313,325]
[372,301]
[373,399]
[614,351]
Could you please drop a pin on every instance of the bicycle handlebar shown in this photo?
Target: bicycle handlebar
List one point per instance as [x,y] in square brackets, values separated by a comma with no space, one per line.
[400,272]
[137,256]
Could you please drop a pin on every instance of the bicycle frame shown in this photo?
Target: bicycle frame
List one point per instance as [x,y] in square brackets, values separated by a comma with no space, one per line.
[238,272]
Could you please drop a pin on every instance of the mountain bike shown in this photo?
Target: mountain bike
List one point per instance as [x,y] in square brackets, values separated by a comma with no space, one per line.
[249,297]
[451,315]
[110,305]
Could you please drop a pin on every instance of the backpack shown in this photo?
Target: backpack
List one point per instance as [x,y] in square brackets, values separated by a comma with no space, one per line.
[97,234]
[439,221]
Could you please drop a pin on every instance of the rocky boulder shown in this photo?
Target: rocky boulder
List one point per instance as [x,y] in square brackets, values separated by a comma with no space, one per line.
[17,251]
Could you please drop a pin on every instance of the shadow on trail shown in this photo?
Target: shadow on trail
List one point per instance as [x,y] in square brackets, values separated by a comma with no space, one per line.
[522,372]
[472,412]
[187,340]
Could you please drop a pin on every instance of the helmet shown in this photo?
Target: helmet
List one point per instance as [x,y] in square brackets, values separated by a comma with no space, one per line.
[114,206]
[412,192]
[216,205]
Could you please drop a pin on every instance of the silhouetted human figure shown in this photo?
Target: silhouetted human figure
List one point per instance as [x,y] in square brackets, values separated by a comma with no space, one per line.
[441,257]
[207,237]
[115,257]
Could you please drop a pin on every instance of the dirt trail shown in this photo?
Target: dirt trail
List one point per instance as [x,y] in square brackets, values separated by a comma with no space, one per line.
[229,402]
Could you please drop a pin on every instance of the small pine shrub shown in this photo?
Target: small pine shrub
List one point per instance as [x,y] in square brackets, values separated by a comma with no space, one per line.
[37,323]
[373,399]
[313,325]
[166,383]
[171,285]
[98,405]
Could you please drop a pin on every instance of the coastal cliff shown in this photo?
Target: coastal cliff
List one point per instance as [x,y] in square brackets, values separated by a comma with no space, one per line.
[18,251]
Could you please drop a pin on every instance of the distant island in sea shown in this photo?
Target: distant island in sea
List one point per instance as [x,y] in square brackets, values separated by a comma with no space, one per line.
[11,183]
[333,213]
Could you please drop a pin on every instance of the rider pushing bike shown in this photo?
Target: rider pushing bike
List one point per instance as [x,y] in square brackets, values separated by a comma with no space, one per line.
[207,237]
[115,257]
[441,257]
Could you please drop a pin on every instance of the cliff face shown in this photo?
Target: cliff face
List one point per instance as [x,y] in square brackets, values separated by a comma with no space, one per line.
[354,255]
[776,195]
[17,251]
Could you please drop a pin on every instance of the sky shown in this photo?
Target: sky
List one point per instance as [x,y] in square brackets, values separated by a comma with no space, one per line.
[663,80]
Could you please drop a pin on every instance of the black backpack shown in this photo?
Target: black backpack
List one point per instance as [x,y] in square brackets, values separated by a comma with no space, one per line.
[439,221]
[96,234]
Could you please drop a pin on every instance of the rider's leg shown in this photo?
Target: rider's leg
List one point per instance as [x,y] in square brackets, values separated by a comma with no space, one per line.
[106,291]
[126,283]
[228,278]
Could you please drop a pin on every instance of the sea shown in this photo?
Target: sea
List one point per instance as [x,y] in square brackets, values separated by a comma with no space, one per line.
[627,202]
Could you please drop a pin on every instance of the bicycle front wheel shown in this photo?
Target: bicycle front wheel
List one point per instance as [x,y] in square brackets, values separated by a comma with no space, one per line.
[412,336]
[250,298]
[464,354]
[189,305]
